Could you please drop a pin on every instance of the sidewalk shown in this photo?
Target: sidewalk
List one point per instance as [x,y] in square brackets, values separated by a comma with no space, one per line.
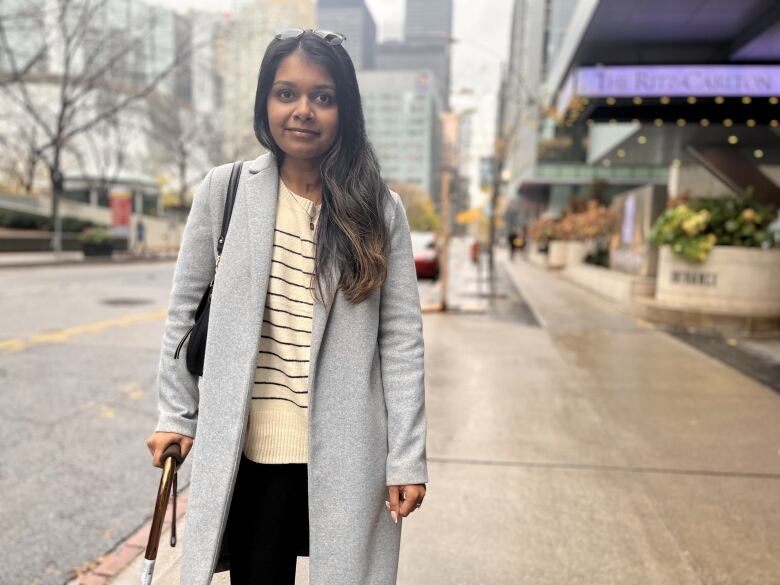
[593,450]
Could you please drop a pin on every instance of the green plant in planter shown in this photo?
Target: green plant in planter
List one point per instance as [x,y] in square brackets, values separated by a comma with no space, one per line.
[692,229]
[96,241]
[96,236]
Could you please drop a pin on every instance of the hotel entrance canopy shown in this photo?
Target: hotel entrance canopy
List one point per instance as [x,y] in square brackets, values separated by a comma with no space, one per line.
[673,49]
[730,94]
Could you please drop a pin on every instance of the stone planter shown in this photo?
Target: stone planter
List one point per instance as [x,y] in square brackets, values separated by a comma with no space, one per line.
[733,281]
[556,255]
[92,250]
[576,251]
[536,257]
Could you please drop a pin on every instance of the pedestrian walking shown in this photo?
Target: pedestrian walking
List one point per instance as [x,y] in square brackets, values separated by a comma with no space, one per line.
[511,239]
[140,237]
[308,421]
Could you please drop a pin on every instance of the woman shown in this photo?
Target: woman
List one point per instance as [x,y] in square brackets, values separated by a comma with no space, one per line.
[312,394]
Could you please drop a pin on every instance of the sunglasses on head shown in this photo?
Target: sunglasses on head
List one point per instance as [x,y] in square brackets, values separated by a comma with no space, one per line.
[330,37]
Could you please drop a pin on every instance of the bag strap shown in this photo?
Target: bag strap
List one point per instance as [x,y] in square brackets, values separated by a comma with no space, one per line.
[230,199]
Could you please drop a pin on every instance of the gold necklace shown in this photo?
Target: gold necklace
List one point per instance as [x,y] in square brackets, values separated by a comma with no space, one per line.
[314,205]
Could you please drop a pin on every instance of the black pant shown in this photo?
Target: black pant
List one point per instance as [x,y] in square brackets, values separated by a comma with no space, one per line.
[268,523]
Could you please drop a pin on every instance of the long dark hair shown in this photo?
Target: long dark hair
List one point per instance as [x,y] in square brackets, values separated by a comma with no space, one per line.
[352,232]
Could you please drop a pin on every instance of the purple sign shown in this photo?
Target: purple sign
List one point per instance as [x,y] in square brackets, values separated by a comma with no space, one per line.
[671,81]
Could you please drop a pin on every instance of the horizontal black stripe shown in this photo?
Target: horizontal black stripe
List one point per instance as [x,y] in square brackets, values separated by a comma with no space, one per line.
[286,327]
[288,312]
[284,359]
[290,283]
[290,299]
[283,342]
[278,398]
[283,386]
[282,371]
[292,267]
[293,235]
[293,251]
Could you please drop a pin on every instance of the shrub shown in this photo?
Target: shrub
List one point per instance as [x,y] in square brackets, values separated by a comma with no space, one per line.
[95,236]
[691,229]
[22,220]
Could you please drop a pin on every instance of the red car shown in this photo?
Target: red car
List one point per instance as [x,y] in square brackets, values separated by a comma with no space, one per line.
[426,254]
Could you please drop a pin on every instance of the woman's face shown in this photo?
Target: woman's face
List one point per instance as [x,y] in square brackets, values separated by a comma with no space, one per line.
[302,110]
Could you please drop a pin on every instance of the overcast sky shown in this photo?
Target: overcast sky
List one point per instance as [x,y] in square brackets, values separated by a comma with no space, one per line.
[481,28]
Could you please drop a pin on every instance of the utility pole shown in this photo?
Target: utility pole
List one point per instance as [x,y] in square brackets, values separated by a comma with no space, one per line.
[57,181]
[499,156]
[444,262]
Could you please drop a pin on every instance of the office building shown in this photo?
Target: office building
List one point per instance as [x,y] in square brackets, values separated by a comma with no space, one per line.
[426,44]
[353,19]
[402,120]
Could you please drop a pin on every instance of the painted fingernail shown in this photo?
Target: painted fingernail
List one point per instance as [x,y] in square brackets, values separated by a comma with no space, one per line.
[394,514]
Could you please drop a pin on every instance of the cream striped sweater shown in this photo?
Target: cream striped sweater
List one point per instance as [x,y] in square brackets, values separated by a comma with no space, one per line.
[278,419]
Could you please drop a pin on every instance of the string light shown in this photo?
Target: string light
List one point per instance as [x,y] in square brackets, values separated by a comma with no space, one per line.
[751,123]
[774,123]
[733,139]
[637,101]
[728,122]
[691,100]
[665,100]
[719,100]
[658,122]
[642,139]
[758,153]
[704,122]
[621,153]
[611,101]
[606,162]
[774,101]
[681,122]
[746,100]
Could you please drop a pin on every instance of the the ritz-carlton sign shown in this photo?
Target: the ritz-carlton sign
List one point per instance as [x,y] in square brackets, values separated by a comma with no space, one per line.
[672,81]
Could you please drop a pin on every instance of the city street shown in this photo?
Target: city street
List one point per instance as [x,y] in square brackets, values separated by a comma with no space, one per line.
[78,359]
[590,449]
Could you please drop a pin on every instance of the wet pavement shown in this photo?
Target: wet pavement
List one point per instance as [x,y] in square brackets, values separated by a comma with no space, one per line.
[567,442]
[583,447]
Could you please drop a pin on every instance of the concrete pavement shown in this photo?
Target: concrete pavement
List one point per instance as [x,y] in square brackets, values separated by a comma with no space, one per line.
[593,450]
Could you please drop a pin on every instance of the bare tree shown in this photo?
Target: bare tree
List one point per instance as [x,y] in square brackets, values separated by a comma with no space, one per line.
[23,64]
[102,154]
[95,70]
[184,139]
[20,156]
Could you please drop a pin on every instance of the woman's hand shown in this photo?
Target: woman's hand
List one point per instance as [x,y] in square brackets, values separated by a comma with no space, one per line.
[158,442]
[404,499]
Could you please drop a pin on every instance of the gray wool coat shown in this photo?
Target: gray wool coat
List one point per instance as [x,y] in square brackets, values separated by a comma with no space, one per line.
[367,424]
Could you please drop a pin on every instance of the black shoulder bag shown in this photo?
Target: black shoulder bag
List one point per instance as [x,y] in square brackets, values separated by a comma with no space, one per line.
[196,349]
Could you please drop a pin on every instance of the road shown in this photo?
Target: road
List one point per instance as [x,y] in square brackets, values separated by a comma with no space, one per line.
[79,347]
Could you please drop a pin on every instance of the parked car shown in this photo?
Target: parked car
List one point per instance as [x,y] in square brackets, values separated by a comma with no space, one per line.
[426,254]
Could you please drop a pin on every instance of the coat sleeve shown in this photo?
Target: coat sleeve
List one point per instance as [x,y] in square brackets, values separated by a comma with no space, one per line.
[401,353]
[177,388]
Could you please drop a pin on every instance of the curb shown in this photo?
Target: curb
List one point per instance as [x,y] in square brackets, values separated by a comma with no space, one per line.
[85,262]
[106,567]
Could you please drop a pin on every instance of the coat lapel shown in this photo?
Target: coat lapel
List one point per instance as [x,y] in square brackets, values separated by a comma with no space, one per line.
[257,189]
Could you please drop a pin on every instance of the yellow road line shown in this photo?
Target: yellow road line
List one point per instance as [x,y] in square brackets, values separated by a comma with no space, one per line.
[62,335]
